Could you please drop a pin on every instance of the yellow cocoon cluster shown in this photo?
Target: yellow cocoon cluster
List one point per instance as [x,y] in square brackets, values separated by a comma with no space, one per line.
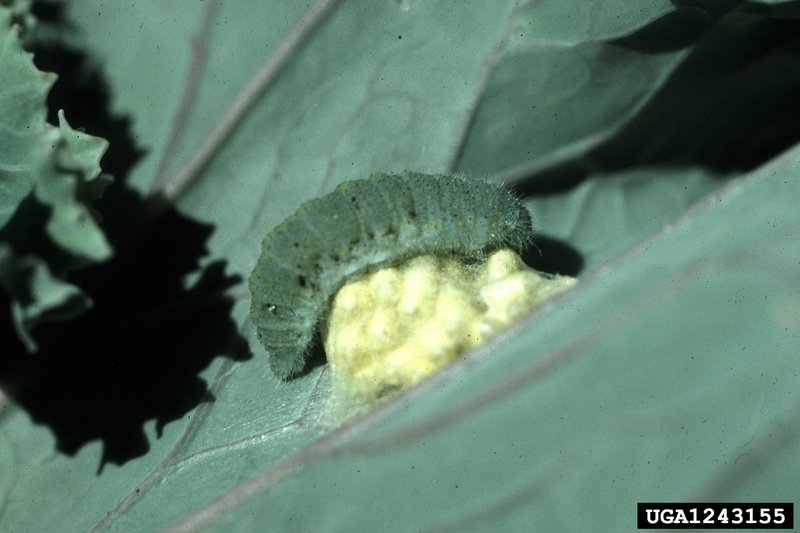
[396,326]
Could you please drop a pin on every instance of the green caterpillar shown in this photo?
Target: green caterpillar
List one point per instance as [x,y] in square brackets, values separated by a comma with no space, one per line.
[362,226]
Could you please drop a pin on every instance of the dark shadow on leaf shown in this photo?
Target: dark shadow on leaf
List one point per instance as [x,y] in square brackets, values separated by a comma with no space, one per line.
[137,354]
[674,31]
[553,256]
[731,105]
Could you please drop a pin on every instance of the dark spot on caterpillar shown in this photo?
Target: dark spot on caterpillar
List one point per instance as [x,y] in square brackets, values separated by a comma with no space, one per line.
[360,209]
[277,310]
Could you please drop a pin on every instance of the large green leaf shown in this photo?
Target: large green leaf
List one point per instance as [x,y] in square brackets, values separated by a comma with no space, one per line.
[666,374]
[669,376]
